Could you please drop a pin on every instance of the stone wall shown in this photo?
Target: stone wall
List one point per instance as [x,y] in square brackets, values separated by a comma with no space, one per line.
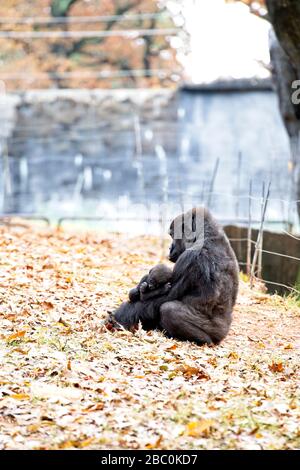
[65,144]
[90,123]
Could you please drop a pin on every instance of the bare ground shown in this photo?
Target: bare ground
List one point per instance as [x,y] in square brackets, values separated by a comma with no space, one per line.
[66,382]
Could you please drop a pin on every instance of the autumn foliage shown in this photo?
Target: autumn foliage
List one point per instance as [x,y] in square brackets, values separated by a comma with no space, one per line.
[42,63]
[69,383]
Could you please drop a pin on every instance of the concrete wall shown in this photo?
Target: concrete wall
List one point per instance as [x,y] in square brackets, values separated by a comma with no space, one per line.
[95,122]
[67,142]
[275,268]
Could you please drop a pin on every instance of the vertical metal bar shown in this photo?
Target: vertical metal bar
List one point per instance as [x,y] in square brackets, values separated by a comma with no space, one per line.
[212,182]
[249,234]
[238,185]
[257,244]
[259,266]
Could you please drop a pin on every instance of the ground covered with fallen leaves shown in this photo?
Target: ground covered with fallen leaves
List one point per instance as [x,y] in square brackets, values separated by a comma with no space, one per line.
[67,382]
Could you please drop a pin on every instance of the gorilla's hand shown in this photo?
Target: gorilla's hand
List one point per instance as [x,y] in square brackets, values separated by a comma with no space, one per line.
[134,294]
[144,287]
[111,324]
[158,292]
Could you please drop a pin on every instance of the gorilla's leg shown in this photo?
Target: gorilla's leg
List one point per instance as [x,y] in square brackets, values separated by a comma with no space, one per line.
[179,322]
[128,314]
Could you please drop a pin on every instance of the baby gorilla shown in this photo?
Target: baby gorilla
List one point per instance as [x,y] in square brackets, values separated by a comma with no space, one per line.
[154,284]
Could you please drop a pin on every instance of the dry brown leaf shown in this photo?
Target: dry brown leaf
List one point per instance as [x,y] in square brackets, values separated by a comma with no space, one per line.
[156,444]
[62,322]
[21,351]
[276,366]
[171,348]
[66,444]
[233,355]
[97,407]
[260,298]
[97,364]
[84,443]
[47,305]
[190,371]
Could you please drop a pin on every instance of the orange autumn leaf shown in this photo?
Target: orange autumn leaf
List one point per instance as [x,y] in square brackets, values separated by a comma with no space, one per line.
[156,444]
[233,355]
[33,427]
[20,396]
[189,371]
[62,322]
[76,443]
[21,351]
[66,445]
[96,407]
[48,305]
[84,443]
[17,335]
[171,348]
[276,366]
[213,361]
[199,428]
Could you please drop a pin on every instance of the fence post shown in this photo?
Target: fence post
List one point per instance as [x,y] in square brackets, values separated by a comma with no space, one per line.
[259,267]
[249,234]
[258,241]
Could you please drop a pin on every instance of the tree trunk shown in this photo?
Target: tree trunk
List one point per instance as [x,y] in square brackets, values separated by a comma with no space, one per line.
[285,57]
[61,7]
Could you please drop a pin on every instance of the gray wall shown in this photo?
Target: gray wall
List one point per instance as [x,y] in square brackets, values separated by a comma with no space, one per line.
[64,145]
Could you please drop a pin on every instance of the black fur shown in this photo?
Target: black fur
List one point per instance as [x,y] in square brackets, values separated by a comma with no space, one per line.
[154,284]
[204,285]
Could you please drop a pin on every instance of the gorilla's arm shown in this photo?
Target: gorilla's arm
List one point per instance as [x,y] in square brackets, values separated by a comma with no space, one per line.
[192,274]
[144,309]
[135,294]
[147,309]
[151,294]
[154,284]
[183,277]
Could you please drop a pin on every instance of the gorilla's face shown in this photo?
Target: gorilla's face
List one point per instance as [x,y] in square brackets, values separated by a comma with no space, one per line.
[178,245]
[186,230]
[176,249]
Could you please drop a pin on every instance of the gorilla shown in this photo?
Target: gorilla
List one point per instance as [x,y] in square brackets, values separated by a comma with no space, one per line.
[195,300]
[154,284]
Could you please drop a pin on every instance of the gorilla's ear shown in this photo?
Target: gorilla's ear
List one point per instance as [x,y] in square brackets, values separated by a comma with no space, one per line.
[194,228]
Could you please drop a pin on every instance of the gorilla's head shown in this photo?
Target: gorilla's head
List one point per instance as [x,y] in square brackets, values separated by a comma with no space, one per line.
[189,231]
[158,276]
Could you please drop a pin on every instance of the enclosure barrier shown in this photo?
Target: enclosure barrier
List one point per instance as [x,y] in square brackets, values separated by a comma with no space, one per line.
[253,265]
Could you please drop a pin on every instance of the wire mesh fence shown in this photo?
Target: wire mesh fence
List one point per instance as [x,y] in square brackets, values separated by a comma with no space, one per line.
[150,42]
[266,249]
[144,174]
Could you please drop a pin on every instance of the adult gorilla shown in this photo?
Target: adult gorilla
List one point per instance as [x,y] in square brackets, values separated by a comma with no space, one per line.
[204,284]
